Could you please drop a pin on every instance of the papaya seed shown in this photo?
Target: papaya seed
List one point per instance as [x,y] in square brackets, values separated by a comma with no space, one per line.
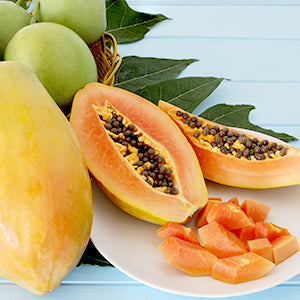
[231,142]
[133,146]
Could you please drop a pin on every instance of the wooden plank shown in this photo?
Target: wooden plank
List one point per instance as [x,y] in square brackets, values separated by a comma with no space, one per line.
[269,22]
[241,59]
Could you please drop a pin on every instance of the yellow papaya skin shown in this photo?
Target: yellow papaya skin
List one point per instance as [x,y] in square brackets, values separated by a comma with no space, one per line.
[45,188]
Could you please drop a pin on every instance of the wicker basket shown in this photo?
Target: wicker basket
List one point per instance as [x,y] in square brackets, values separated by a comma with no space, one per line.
[107,59]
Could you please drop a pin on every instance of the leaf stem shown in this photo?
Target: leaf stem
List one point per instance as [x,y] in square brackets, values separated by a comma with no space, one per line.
[35,10]
[20,2]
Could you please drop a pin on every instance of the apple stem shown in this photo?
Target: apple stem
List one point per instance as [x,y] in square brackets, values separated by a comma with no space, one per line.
[35,10]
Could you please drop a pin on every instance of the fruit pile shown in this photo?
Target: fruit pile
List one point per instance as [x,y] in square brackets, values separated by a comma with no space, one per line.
[53,42]
[235,243]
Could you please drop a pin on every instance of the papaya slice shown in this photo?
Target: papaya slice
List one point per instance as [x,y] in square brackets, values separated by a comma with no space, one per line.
[284,247]
[188,257]
[246,233]
[220,241]
[229,215]
[261,246]
[137,155]
[269,230]
[233,158]
[256,210]
[201,217]
[178,230]
[241,268]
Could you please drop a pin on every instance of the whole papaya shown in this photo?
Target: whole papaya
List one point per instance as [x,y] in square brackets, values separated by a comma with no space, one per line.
[45,189]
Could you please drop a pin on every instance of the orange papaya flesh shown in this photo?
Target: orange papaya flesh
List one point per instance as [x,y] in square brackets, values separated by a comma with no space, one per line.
[241,268]
[233,158]
[220,241]
[137,155]
[178,230]
[284,247]
[261,246]
[229,215]
[258,211]
[201,216]
[246,233]
[187,257]
[269,230]
[234,200]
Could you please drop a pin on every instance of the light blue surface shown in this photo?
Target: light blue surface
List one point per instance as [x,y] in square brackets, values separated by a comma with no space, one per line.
[256,44]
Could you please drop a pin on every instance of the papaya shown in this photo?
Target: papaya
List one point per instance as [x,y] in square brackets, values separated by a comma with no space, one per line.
[45,188]
[232,157]
[137,155]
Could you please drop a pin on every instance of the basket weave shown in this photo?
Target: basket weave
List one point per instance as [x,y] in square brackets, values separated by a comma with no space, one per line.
[107,59]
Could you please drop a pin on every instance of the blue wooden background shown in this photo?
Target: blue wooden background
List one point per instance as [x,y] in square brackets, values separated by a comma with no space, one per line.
[255,44]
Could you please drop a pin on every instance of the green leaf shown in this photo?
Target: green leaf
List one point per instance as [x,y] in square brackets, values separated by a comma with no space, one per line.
[126,24]
[238,116]
[92,256]
[186,93]
[138,72]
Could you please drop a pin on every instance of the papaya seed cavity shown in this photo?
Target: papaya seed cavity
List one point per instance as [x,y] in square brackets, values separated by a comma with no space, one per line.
[228,141]
[146,157]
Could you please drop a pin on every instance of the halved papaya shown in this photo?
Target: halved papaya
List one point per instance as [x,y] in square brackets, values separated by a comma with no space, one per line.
[137,154]
[187,257]
[241,268]
[233,158]
[178,230]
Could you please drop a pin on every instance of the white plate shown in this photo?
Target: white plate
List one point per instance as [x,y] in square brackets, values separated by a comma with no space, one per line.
[131,244]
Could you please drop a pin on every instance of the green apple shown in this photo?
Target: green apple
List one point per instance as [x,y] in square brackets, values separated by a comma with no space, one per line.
[57,55]
[12,18]
[86,17]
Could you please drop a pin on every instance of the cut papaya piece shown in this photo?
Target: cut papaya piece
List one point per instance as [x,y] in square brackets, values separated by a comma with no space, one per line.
[256,210]
[187,257]
[269,230]
[137,155]
[234,200]
[201,217]
[246,233]
[178,230]
[241,268]
[229,215]
[220,241]
[233,158]
[284,247]
[261,247]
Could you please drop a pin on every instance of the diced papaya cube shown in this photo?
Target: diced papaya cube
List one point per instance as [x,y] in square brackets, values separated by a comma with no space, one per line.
[261,246]
[241,268]
[246,233]
[220,241]
[178,230]
[201,217]
[229,215]
[255,209]
[269,230]
[234,200]
[284,247]
[187,257]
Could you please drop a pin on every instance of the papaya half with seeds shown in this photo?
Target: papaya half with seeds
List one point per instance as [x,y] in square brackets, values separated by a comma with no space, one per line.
[45,188]
[137,155]
[233,158]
